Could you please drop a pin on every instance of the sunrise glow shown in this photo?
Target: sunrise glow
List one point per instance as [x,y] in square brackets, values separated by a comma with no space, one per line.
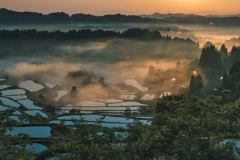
[123,6]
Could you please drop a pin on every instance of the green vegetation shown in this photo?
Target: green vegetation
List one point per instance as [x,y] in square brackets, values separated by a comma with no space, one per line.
[12,147]
[135,33]
[196,84]
[183,127]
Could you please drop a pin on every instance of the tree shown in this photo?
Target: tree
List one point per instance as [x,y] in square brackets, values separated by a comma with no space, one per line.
[196,84]
[74,92]
[74,111]
[235,68]
[210,58]
[50,108]
[208,44]
[231,81]
[184,127]
[88,144]
[12,147]
[152,71]
[235,54]
[101,81]
[224,53]
[127,112]
[236,94]
[192,128]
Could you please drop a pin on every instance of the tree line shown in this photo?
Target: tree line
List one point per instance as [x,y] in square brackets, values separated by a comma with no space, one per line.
[134,33]
[222,71]
[9,16]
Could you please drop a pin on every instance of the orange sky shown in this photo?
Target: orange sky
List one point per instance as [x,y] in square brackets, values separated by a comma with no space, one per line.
[123,6]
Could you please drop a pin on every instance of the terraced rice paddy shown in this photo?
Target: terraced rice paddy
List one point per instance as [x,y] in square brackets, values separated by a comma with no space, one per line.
[13,92]
[36,131]
[34,112]
[29,104]
[92,112]
[30,85]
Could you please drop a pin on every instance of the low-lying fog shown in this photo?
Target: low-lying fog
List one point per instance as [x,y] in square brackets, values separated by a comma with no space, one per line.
[93,26]
[212,33]
[116,60]
[55,70]
[164,28]
[198,33]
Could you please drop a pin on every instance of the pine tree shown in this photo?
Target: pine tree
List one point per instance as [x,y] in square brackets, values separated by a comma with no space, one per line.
[196,84]
[210,58]
[191,86]
[224,52]
[199,83]
[235,54]
[235,68]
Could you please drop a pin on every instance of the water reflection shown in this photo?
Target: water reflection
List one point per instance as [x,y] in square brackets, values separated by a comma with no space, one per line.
[37,131]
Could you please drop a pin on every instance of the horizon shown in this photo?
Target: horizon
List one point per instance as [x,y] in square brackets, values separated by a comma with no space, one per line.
[129,79]
[201,13]
[133,7]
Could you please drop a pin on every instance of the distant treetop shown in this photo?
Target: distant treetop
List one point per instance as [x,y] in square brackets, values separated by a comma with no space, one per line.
[7,16]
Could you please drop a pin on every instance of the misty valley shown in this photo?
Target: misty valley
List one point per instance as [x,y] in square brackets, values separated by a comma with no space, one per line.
[118,87]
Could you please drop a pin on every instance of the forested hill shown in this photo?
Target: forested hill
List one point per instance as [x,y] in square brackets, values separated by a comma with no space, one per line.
[9,16]
[194,19]
[135,33]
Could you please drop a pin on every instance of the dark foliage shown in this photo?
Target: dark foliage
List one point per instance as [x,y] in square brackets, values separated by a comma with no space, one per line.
[224,53]
[9,16]
[80,78]
[196,19]
[74,92]
[196,84]
[210,58]
[135,33]
[235,68]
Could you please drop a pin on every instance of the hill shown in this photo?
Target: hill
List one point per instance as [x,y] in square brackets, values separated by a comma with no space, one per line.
[161,16]
[223,21]
[9,16]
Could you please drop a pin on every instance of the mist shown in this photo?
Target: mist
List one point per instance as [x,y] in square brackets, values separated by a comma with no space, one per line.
[215,34]
[54,70]
[114,59]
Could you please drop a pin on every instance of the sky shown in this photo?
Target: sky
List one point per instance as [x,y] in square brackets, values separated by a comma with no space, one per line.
[100,7]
